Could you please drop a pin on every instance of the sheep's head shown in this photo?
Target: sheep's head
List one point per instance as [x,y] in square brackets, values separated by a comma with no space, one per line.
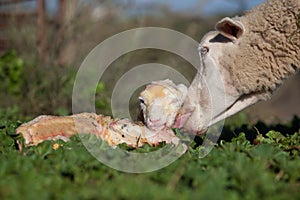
[160,103]
[243,61]
[212,95]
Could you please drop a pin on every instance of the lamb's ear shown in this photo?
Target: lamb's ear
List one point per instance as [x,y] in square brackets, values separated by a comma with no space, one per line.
[230,28]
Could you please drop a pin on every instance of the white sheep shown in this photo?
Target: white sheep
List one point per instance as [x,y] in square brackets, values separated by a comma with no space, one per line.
[252,55]
[243,61]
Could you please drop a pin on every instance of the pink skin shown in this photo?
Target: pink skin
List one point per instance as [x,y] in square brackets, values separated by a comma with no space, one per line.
[180,120]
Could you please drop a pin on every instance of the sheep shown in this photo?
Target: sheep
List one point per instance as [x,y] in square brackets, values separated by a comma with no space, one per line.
[251,55]
[242,62]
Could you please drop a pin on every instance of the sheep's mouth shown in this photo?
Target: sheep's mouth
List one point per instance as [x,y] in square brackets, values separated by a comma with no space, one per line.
[239,104]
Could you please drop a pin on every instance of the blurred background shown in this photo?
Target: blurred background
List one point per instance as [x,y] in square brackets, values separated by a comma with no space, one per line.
[43,42]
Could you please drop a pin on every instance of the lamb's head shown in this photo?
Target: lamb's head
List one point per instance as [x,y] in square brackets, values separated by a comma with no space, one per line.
[160,103]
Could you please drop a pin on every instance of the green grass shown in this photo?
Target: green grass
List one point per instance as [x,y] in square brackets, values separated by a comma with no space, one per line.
[267,167]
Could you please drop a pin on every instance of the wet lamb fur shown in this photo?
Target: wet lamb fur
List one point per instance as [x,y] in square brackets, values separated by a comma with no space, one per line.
[269,49]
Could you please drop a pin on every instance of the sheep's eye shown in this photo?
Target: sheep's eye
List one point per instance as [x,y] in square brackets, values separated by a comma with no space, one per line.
[141,100]
[204,50]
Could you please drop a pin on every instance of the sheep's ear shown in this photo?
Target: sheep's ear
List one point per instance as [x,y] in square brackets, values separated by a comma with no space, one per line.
[230,28]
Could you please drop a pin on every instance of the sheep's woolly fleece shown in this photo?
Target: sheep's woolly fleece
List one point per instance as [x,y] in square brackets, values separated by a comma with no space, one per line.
[269,50]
